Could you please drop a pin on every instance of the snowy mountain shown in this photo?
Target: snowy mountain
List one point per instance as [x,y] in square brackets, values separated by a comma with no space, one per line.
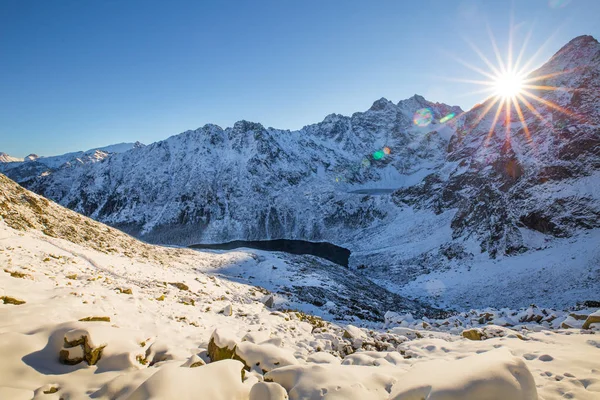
[87,311]
[419,202]
[5,158]
[34,166]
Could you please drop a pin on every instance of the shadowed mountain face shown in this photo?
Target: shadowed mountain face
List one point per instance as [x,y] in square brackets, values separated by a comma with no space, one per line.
[460,189]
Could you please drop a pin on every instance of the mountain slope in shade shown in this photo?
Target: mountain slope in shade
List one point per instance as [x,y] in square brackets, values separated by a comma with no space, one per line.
[463,195]
[306,283]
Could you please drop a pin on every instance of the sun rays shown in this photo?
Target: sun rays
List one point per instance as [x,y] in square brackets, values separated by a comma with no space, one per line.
[511,90]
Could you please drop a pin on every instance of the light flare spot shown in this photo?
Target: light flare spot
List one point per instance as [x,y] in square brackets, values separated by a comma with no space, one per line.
[423,117]
[447,118]
[378,155]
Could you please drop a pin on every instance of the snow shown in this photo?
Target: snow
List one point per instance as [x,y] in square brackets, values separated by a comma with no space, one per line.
[560,275]
[493,375]
[153,339]
[220,380]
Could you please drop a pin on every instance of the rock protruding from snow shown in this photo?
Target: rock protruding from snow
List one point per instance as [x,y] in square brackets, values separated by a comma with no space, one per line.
[79,347]
[593,318]
[262,357]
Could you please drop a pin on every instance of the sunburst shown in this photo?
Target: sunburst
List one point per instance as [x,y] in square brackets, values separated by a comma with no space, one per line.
[511,88]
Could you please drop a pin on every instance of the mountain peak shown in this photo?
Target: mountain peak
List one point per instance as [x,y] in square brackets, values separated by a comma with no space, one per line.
[582,52]
[6,158]
[246,126]
[381,104]
[583,39]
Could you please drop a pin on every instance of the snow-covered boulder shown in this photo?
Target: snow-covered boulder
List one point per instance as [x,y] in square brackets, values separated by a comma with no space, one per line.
[323,357]
[264,357]
[108,347]
[216,381]
[495,375]
[221,345]
[593,318]
[268,391]
[348,382]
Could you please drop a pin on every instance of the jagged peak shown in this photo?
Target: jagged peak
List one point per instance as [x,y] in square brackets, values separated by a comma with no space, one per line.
[381,104]
[583,39]
[415,99]
[246,126]
[211,127]
[580,52]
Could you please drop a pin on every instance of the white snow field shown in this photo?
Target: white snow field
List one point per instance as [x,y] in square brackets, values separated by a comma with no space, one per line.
[89,312]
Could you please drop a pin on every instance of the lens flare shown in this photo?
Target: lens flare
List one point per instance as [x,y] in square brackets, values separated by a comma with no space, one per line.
[447,118]
[558,3]
[508,85]
[511,85]
[378,155]
[423,117]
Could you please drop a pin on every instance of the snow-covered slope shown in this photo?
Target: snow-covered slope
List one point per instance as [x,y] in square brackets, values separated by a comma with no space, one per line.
[249,182]
[5,158]
[463,195]
[87,311]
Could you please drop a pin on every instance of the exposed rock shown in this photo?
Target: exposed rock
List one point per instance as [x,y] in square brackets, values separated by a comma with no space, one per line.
[269,301]
[591,319]
[95,319]
[473,334]
[221,346]
[11,300]
[180,285]
[194,362]
[228,310]
[78,347]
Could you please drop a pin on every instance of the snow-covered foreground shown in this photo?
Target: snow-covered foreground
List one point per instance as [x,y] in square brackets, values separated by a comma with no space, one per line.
[158,311]
[89,312]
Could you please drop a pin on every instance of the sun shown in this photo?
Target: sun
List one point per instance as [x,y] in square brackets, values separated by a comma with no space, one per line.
[508,85]
[511,89]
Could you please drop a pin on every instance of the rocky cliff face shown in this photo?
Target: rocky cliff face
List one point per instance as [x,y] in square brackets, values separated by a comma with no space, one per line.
[461,190]
[249,182]
[509,180]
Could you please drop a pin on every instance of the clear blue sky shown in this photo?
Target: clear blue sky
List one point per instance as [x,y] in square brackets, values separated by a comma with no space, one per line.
[81,74]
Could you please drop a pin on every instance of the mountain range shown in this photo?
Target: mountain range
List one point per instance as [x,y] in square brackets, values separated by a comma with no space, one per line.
[420,192]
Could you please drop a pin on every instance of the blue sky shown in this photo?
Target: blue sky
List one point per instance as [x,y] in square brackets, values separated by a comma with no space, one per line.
[81,74]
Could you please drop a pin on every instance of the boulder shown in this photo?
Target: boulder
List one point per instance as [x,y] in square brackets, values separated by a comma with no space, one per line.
[216,381]
[268,391]
[473,334]
[593,318]
[494,375]
[263,357]
[79,347]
